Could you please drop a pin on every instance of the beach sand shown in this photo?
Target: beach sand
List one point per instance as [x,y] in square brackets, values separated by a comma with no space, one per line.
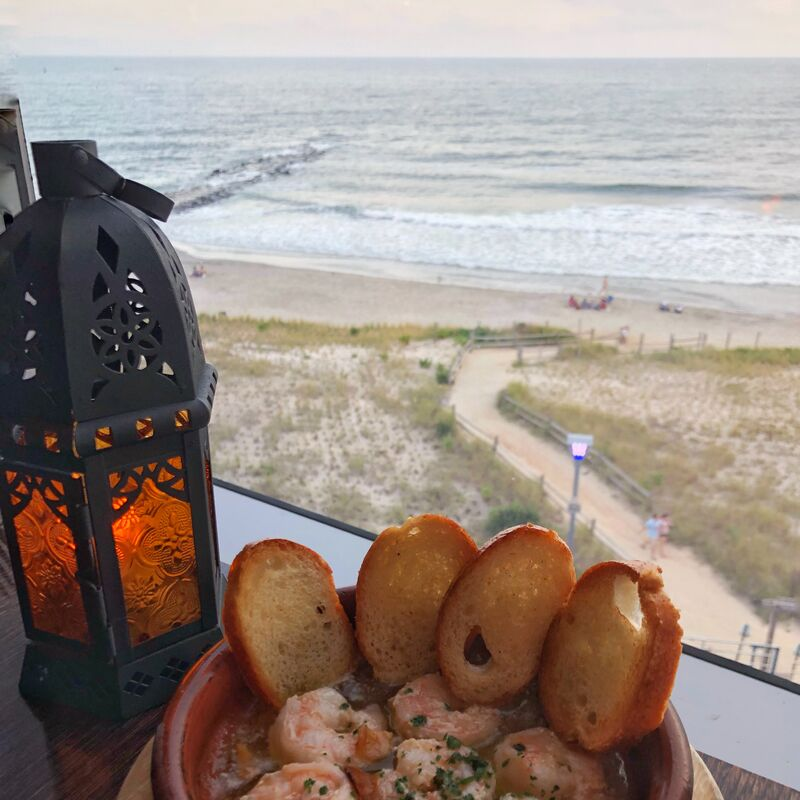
[330,290]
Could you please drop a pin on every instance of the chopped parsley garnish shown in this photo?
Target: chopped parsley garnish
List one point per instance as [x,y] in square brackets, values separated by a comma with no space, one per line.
[419,720]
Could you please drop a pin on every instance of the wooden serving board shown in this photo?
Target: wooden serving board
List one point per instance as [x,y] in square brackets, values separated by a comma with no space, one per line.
[137,784]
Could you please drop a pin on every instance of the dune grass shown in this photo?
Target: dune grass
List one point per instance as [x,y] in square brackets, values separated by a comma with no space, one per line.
[585,351]
[745,362]
[275,371]
[743,528]
[296,333]
[738,362]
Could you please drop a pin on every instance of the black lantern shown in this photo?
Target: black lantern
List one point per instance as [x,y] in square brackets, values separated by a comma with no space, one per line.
[105,474]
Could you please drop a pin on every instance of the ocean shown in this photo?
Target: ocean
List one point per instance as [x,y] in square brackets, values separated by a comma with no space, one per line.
[679,169]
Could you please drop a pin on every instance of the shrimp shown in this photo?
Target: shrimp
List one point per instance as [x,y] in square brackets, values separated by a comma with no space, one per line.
[322,725]
[536,763]
[303,782]
[427,709]
[429,769]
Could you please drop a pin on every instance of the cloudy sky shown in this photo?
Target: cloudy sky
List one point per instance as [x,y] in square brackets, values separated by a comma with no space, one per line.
[406,27]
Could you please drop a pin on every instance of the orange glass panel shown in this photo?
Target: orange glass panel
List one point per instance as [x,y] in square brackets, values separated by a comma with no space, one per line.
[47,552]
[182,419]
[103,438]
[144,428]
[155,550]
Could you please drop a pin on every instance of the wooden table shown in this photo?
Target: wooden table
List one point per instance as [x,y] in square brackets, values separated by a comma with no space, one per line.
[57,753]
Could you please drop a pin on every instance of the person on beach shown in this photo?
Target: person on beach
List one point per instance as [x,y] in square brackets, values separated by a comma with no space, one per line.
[664,527]
[651,528]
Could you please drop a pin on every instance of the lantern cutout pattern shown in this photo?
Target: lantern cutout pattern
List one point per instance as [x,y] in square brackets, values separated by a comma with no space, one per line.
[105,474]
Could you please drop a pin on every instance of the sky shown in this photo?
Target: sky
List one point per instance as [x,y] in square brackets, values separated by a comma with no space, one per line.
[469,28]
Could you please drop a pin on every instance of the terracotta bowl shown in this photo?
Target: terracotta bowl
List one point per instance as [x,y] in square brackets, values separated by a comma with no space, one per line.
[659,768]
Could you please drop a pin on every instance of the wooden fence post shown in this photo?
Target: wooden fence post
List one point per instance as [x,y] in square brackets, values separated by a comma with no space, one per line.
[580,326]
[591,335]
[699,341]
[758,339]
[671,341]
[494,445]
[640,349]
[728,340]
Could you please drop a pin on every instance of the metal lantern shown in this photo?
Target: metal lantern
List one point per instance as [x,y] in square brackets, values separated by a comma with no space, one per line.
[105,474]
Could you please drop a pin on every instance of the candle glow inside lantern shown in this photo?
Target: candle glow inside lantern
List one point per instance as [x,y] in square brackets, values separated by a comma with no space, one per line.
[105,472]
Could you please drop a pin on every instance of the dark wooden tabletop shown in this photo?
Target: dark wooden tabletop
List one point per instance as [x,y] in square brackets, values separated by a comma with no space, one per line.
[57,753]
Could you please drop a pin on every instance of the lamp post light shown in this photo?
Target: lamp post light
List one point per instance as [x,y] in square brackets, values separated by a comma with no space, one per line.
[579,445]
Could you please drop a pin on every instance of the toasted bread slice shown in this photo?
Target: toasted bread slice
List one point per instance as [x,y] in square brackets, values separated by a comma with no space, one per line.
[610,658]
[401,585]
[284,622]
[504,601]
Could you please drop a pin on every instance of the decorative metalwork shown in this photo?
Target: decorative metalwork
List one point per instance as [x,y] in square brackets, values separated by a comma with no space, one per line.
[179,277]
[22,487]
[139,683]
[168,476]
[154,543]
[47,553]
[126,335]
[20,354]
[175,669]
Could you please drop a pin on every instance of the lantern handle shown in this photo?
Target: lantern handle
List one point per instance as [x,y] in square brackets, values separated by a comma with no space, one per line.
[109,181]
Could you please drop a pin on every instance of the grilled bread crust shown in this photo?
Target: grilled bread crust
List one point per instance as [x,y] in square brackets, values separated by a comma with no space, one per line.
[508,597]
[284,622]
[401,585]
[610,658]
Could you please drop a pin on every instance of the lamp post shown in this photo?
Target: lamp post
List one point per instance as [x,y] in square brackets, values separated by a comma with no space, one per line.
[579,445]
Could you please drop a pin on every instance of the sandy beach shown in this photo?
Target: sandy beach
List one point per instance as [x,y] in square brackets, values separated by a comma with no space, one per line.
[352,292]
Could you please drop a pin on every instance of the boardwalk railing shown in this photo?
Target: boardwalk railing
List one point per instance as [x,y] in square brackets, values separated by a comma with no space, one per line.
[760,656]
[521,339]
[601,464]
[559,500]
[514,340]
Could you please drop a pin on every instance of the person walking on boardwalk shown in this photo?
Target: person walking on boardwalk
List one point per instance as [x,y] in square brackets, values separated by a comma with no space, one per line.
[664,527]
[651,529]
